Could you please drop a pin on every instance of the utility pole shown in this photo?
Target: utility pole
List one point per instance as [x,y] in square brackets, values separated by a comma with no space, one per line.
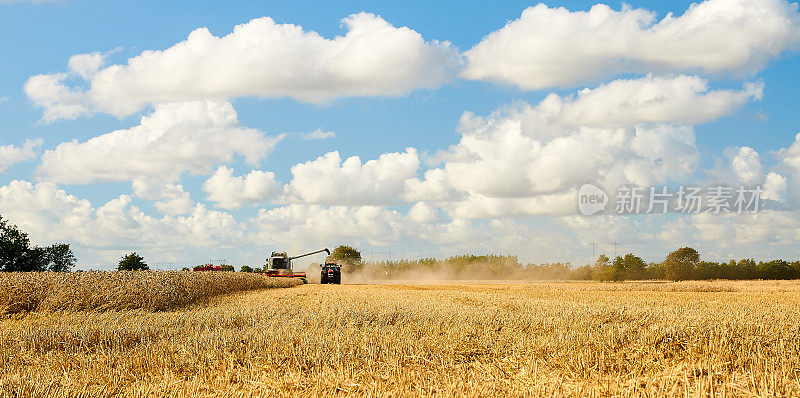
[602,247]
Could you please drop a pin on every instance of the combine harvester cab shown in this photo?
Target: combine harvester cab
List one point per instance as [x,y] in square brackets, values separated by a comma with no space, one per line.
[279,264]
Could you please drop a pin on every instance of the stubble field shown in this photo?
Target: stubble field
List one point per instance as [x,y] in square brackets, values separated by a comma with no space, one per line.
[405,339]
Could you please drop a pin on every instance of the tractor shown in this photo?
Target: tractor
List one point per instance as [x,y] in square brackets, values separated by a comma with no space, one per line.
[279,264]
[331,273]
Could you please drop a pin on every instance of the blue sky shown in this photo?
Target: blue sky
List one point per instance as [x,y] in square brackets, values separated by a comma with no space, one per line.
[42,36]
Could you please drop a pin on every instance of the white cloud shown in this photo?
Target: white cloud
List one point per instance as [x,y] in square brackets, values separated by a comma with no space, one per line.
[176,138]
[791,156]
[529,160]
[100,234]
[10,154]
[174,199]
[50,215]
[329,180]
[622,103]
[318,225]
[505,166]
[651,99]
[230,192]
[86,65]
[746,165]
[789,167]
[422,212]
[774,187]
[259,58]
[549,47]
[58,100]
[180,204]
[776,228]
[318,134]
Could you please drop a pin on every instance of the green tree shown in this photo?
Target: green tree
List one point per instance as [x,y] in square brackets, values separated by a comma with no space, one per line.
[681,264]
[602,261]
[628,267]
[346,254]
[747,269]
[59,257]
[348,257]
[14,247]
[602,270]
[775,269]
[795,269]
[654,271]
[17,254]
[132,262]
[246,268]
[227,267]
[583,273]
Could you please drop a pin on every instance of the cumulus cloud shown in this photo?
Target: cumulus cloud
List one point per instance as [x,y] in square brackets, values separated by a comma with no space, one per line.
[230,192]
[10,154]
[548,47]
[176,138]
[789,167]
[742,166]
[775,228]
[171,198]
[501,166]
[529,159]
[422,212]
[747,166]
[50,214]
[511,173]
[622,103]
[259,58]
[319,225]
[329,180]
[651,99]
[86,65]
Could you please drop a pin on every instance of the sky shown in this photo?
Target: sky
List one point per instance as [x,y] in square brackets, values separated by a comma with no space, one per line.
[192,132]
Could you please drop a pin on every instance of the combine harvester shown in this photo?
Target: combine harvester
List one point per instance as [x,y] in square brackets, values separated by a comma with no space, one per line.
[279,264]
[207,267]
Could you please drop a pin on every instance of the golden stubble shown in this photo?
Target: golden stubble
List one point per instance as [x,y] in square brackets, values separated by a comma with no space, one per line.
[518,339]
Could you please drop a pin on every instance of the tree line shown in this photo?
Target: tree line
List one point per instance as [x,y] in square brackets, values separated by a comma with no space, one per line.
[681,264]
[18,255]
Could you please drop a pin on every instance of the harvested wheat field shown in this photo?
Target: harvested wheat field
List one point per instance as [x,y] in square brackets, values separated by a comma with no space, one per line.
[524,339]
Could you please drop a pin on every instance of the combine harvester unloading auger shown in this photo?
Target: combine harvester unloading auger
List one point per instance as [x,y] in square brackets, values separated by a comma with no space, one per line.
[279,264]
